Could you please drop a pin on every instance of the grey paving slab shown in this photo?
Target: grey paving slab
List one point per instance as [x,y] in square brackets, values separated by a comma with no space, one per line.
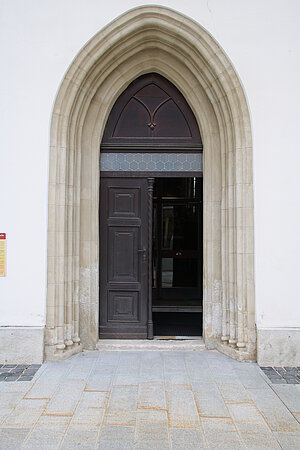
[174,377]
[26,414]
[12,438]
[274,411]
[248,419]
[182,408]
[122,406]
[109,358]
[94,400]
[289,395]
[224,441]
[81,437]
[251,379]
[152,396]
[89,416]
[116,438]
[152,358]
[4,413]
[21,388]
[155,375]
[130,359]
[186,439]
[253,430]
[224,375]
[10,399]
[79,373]
[234,392]
[66,398]
[174,361]
[209,400]
[217,425]
[43,388]
[47,433]
[143,400]
[201,375]
[91,409]
[221,433]
[99,382]
[260,441]
[198,368]
[103,370]
[151,430]
[126,379]
[288,441]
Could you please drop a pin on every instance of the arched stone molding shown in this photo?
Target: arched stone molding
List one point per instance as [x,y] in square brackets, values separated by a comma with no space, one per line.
[150,39]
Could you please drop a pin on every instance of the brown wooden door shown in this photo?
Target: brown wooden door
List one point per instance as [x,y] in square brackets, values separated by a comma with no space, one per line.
[123,258]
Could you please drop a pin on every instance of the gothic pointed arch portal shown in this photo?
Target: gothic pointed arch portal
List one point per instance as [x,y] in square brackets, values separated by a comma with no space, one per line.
[143,40]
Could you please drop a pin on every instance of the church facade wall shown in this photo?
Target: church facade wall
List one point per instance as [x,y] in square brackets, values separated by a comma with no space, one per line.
[39,41]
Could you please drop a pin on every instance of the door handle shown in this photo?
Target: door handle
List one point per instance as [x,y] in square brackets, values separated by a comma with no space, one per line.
[144,252]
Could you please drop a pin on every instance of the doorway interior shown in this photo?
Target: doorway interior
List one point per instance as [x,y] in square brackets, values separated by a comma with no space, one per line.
[177,256]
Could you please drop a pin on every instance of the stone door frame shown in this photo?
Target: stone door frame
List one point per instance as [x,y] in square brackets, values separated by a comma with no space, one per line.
[150,39]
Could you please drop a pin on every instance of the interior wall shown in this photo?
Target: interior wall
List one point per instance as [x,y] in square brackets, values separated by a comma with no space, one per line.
[37,53]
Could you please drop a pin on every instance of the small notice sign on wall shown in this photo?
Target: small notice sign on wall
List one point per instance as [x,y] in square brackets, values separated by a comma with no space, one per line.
[2,254]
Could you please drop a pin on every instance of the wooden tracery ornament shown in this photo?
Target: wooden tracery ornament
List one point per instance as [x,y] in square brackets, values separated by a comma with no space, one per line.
[151,113]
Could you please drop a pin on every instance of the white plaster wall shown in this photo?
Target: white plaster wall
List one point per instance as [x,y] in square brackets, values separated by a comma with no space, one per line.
[39,39]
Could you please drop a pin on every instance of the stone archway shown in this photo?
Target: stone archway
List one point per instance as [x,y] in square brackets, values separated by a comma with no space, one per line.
[150,39]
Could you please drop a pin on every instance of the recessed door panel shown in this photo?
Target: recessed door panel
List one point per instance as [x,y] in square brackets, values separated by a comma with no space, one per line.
[123,244]
[123,306]
[124,204]
[123,258]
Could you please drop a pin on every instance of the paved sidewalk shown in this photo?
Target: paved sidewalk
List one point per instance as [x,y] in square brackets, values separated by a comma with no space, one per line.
[180,400]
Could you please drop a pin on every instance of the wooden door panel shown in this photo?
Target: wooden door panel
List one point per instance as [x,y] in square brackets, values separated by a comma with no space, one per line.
[123,268]
[123,243]
[123,306]
[124,204]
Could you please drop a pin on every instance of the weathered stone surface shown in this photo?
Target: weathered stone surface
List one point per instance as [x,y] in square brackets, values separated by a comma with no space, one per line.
[151,430]
[278,347]
[182,408]
[278,417]
[116,438]
[215,414]
[12,438]
[186,439]
[21,345]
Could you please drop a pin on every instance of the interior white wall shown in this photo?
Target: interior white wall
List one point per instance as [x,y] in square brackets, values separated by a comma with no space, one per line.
[38,41]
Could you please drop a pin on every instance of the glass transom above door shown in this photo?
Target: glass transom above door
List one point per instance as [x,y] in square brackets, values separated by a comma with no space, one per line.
[151,162]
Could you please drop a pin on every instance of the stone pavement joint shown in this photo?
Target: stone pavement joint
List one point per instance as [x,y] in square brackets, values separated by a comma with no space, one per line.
[126,399]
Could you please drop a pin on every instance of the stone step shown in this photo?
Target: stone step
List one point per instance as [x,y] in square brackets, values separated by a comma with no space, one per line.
[165,344]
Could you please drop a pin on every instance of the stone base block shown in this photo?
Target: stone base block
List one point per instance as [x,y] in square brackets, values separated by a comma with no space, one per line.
[235,353]
[52,354]
[278,347]
[21,345]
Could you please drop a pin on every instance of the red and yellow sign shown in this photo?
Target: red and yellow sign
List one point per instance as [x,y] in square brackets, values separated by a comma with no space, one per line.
[2,254]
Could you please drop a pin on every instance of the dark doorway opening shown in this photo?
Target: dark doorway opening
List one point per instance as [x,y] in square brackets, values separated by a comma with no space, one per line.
[177,256]
[173,325]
